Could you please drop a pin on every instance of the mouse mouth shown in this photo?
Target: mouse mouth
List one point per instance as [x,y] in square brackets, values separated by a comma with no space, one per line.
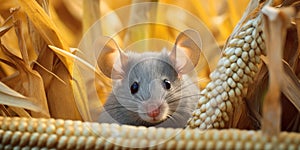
[153,111]
[154,115]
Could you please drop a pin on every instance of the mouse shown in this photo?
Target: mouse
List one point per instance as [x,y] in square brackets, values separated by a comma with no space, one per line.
[151,88]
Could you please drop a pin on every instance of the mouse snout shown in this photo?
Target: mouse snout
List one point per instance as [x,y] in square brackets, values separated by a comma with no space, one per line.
[153,110]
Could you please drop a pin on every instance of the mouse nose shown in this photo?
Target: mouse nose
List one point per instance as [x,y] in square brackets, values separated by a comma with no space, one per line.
[153,111]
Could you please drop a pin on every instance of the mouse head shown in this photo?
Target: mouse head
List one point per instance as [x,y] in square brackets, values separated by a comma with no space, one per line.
[184,55]
[148,78]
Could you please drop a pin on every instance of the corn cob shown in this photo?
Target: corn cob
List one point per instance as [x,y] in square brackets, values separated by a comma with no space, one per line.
[229,82]
[25,133]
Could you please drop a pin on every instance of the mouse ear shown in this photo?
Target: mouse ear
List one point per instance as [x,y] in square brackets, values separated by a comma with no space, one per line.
[112,59]
[186,51]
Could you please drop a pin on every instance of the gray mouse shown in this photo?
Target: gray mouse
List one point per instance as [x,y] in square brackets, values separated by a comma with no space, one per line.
[151,88]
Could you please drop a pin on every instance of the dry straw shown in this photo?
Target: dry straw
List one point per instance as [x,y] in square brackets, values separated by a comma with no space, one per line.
[217,107]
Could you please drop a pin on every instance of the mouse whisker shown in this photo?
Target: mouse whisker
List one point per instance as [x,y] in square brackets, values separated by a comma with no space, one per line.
[193,95]
[112,107]
[184,108]
[175,118]
[139,121]
[185,92]
[140,98]
[130,107]
[181,115]
[194,81]
[117,115]
[182,87]
[175,107]
[175,98]
[170,121]
[184,84]
[128,98]
[141,112]
[178,102]
[122,97]
[170,117]
[182,92]
[163,95]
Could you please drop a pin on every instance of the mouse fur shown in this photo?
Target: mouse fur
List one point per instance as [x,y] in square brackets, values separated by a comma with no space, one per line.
[166,94]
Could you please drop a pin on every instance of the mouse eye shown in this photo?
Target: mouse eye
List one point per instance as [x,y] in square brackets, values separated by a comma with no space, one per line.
[134,88]
[166,84]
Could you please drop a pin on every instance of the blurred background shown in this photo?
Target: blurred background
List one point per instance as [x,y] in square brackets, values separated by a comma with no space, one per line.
[37,82]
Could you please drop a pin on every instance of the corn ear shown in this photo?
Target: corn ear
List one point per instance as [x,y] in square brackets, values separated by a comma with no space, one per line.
[229,82]
[25,133]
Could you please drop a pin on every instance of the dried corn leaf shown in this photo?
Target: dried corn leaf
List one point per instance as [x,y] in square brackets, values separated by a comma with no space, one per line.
[251,11]
[291,50]
[4,111]
[20,111]
[9,37]
[185,20]
[276,22]
[72,56]
[75,89]
[73,7]
[28,82]
[45,26]
[291,86]
[236,10]
[112,23]
[51,35]
[114,5]
[90,47]
[7,25]
[49,72]
[10,97]
[21,41]
[70,34]
[46,58]
[84,103]
[37,79]
[91,13]
[259,87]
[61,97]
[256,95]
[141,13]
